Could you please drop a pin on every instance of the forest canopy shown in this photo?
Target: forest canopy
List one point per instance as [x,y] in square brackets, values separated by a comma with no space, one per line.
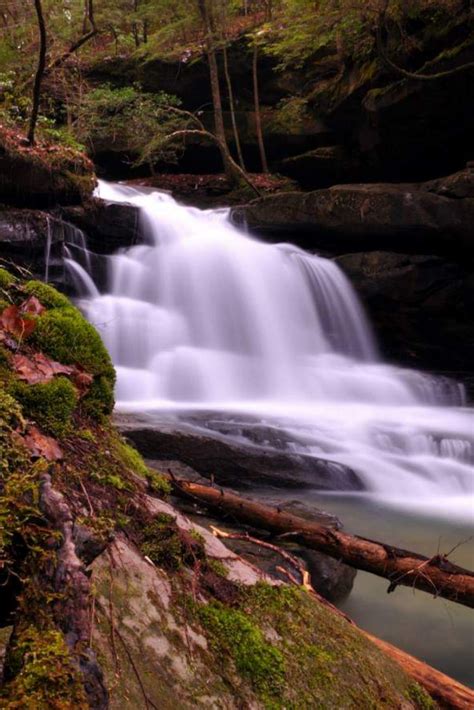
[49,52]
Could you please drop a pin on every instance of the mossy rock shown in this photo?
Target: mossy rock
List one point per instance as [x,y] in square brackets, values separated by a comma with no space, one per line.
[43,175]
[63,333]
[46,294]
[45,676]
[50,405]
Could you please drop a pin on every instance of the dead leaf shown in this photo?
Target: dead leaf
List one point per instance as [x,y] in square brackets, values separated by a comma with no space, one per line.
[83,381]
[41,445]
[32,305]
[39,369]
[12,321]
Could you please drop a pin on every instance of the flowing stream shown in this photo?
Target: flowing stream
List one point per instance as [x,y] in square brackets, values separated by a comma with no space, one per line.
[202,316]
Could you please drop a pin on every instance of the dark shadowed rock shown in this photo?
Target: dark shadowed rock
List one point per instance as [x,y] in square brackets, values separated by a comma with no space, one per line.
[417,218]
[43,176]
[108,225]
[240,466]
[24,236]
[321,167]
[420,305]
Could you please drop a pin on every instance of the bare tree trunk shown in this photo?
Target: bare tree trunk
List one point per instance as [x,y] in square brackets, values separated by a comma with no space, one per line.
[232,109]
[39,73]
[215,90]
[258,118]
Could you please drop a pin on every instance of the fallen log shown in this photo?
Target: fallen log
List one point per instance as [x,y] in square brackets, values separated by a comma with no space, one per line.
[435,575]
[447,692]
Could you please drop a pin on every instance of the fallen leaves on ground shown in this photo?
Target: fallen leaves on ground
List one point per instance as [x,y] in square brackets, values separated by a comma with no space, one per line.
[12,321]
[39,369]
[41,445]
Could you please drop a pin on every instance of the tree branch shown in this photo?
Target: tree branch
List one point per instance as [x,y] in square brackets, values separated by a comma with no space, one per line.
[204,133]
[400,70]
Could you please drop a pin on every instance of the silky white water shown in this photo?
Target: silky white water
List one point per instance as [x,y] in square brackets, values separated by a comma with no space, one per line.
[202,316]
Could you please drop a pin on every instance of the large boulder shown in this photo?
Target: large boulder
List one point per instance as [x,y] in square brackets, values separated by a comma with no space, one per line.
[238,465]
[420,218]
[42,175]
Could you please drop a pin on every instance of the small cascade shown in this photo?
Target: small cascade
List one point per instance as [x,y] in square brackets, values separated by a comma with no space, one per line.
[47,254]
[76,242]
[201,316]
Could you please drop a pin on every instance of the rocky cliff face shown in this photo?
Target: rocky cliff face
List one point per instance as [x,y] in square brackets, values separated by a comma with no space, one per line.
[326,122]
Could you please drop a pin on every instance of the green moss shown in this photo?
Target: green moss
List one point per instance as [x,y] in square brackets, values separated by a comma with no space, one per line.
[47,295]
[9,409]
[108,478]
[234,634]
[50,404]
[46,676]
[86,435]
[99,401]
[102,524]
[132,459]
[421,699]
[65,335]
[6,279]
[218,567]
[168,546]
[158,483]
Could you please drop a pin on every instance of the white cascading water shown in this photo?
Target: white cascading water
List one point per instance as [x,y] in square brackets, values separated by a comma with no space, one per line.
[204,317]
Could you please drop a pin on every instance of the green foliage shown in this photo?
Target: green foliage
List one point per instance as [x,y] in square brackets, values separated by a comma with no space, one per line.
[126,117]
[234,634]
[290,115]
[50,405]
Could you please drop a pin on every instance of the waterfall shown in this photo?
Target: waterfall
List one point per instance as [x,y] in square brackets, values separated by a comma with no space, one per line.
[202,316]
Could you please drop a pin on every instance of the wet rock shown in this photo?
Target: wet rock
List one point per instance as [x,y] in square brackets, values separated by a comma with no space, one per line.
[331,578]
[24,235]
[109,225]
[240,466]
[404,217]
[420,306]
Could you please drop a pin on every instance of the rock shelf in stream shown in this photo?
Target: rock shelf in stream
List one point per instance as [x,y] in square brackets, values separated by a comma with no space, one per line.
[238,465]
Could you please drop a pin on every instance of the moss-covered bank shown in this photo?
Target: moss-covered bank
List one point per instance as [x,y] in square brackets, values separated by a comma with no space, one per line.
[46,174]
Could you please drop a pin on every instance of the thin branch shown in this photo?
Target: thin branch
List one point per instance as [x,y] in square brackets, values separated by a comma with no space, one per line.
[203,133]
